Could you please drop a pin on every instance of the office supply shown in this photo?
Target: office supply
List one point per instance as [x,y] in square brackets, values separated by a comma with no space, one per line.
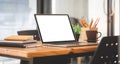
[33,33]
[18,38]
[83,37]
[22,44]
[56,29]
[93,35]
[83,23]
[91,22]
[22,41]
[96,22]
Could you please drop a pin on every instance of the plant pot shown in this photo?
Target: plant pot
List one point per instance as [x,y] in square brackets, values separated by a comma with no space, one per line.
[77,37]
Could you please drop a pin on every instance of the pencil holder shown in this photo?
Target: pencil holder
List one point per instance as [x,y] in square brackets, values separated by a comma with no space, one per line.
[83,36]
[93,35]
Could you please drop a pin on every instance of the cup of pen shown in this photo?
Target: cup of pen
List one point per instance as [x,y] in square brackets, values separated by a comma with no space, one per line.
[93,35]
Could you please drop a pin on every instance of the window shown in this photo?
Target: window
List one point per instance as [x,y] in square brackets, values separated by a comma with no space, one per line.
[16,15]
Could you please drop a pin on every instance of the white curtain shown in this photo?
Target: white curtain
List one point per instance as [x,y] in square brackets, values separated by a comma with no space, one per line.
[117,18]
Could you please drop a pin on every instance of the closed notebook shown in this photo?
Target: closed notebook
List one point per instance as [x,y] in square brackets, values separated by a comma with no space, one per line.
[18,38]
[17,43]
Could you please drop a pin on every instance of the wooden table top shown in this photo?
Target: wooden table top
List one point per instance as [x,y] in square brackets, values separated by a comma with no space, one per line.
[84,49]
[43,51]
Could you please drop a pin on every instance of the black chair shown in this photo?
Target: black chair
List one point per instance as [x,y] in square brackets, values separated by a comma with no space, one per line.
[107,51]
[30,32]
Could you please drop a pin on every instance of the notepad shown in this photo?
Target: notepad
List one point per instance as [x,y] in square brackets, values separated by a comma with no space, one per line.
[18,38]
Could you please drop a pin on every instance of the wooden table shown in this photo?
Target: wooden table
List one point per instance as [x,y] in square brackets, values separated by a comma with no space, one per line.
[45,54]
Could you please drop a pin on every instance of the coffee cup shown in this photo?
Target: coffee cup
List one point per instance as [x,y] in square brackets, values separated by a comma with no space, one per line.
[93,35]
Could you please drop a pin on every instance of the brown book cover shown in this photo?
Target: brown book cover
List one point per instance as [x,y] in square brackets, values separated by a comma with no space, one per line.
[18,38]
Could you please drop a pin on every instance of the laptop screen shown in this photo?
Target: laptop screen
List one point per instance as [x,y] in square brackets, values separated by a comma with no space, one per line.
[54,28]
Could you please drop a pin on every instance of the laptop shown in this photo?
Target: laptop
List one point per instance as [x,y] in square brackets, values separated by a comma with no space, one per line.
[56,30]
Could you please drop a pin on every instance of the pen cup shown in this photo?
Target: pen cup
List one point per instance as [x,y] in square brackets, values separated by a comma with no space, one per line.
[93,35]
[83,36]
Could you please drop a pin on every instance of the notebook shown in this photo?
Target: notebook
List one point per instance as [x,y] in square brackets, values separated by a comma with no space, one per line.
[56,30]
[21,44]
[21,41]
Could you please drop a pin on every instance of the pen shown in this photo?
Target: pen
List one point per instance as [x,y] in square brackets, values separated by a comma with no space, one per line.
[83,23]
[90,25]
[96,22]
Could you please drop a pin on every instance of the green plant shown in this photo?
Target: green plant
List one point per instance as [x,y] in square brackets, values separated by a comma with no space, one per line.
[76,28]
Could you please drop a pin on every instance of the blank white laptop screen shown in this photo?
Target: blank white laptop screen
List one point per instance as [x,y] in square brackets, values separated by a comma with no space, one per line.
[54,28]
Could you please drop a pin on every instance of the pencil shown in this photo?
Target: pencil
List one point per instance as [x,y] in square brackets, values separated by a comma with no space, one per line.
[90,25]
[83,23]
[96,22]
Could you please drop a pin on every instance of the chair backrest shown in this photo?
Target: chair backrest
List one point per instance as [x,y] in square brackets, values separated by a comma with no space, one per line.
[107,51]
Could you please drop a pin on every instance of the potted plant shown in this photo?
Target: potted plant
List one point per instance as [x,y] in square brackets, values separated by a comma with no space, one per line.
[76,30]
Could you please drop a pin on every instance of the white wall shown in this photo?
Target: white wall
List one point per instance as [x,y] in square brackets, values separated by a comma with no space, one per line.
[63,6]
[89,9]
[75,8]
[95,11]
[80,8]
[117,18]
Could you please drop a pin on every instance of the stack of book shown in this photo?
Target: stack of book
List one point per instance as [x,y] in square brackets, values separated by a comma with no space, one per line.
[19,41]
